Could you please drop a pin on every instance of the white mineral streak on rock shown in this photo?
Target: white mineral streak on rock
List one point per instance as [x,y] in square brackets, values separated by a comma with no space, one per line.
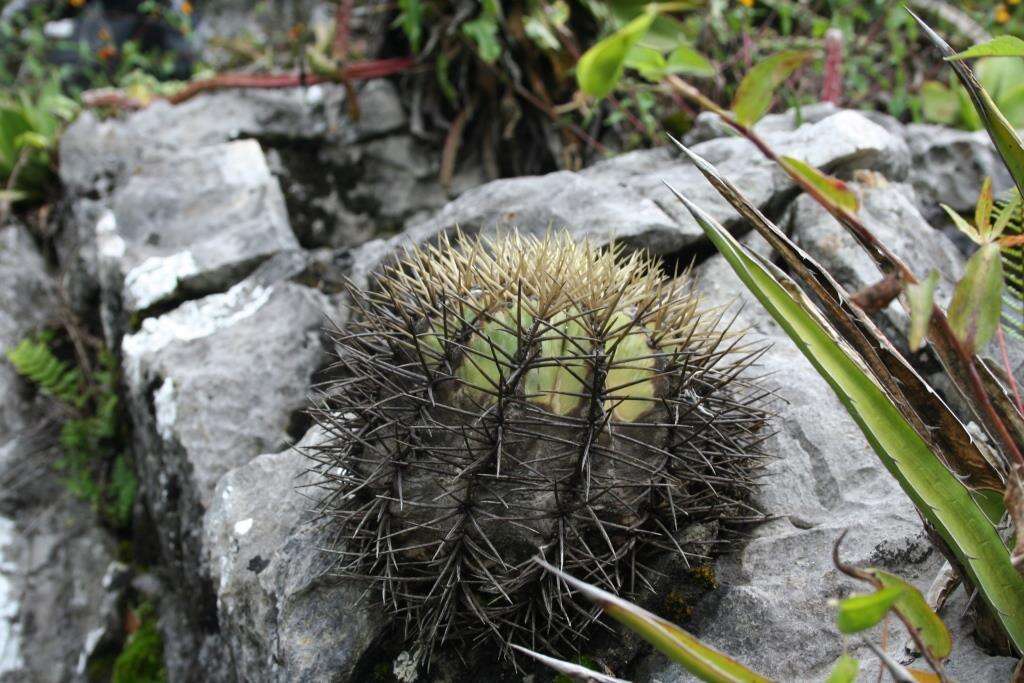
[242,527]
[10,632]
[108,242]
[191,320]
[157,278]
[166,408]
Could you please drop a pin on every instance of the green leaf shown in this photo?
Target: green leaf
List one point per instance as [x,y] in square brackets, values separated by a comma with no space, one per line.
[920,301]
[484,32]
[647,61]
[754,95]
[600,67]
[977,300]
[680,646]
[844,671]
[832,189]
[410,18]
[983,211]
[861,612]
[686,60]
[915,609]
[962,225]
[939,104]
[1000,46]
[936,492]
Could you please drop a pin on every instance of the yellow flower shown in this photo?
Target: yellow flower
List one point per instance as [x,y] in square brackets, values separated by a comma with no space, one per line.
[1002,14]
[1013,2]
[747,3]
[186,8]
[76,3]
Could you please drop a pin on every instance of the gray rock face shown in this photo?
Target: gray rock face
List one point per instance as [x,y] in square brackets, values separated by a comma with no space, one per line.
[52,555]
[27,303]
[949,167]
[284,620]
[624,199]
[168,237]
[211,384]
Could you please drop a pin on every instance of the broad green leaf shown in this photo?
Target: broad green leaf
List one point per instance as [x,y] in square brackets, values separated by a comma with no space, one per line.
[936,492]
[648,61]
[939,104]
[754,95]
[410,18]
[920,300]
[861,612]
[1003,134]
[845,670]
[32,139]
[832,189]
[679,645]
[1000,46]
[915,609]
[686,60]
[600,67]
[977,300]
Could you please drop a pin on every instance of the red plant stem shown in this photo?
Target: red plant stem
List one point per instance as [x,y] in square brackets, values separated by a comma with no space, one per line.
[1009,369]
[832,88]
[378,68]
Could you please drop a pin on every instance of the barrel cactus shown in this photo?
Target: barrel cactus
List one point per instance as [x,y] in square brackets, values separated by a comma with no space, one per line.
[524,397]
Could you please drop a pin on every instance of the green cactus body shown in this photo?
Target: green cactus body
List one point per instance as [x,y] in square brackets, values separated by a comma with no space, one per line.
[523,397]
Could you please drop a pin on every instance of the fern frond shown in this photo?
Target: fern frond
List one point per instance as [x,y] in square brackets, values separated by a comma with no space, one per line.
[34,360]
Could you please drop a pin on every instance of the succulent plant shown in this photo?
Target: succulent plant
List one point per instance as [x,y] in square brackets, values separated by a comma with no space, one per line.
[524,397]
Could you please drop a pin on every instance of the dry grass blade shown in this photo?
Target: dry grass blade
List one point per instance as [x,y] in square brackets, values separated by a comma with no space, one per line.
[573,671]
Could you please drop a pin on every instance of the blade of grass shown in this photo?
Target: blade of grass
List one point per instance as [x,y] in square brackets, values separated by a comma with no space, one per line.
[940,498]
[699,659]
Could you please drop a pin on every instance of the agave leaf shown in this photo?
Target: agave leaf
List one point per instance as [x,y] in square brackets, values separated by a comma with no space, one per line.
[921,301]
[971,459]
[699,659]
[573,671]
[600,67]
[754,94]
[977,300]
[833,189]
[1003,134]
[1000,46]
[939,496]
[845,670]
[913,607]
[861,612]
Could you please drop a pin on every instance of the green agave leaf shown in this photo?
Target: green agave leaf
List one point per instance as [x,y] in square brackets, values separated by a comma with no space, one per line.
[754,95]
[845,670]
[600,67]
[913,607]
[920,300]
[1001,46]
[938,494]
[861,612]
[977,301]
[1002,132]
[832,189]
[701,660]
